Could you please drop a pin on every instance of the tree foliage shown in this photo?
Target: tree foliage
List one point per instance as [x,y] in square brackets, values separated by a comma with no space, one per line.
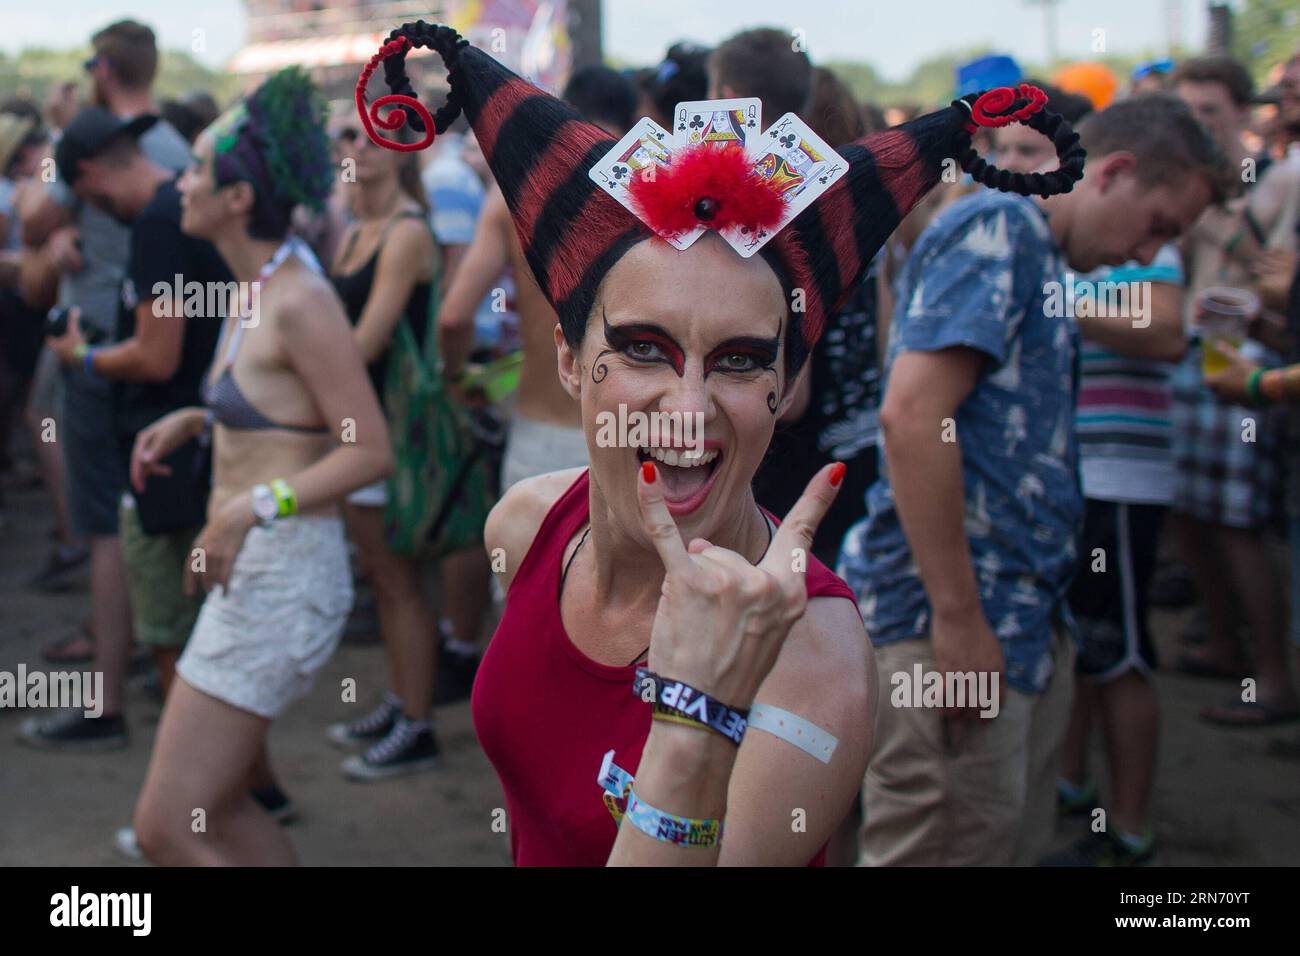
[35,72]
[1265,33]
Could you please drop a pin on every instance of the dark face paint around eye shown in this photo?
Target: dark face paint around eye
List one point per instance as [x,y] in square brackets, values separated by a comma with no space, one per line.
[628,338]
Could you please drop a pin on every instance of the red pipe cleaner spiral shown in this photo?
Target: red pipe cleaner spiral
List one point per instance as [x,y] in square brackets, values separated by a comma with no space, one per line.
[395,118]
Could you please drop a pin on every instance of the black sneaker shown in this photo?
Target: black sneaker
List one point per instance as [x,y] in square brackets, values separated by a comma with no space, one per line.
[72,730]
[1103,849]
[275,802]
[455,678]
[409,748]
[370,729]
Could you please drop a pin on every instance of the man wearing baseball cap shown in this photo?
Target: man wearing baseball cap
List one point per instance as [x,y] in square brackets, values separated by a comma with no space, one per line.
[91,132]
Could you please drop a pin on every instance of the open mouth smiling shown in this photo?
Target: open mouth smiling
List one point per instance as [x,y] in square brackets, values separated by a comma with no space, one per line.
[687,478]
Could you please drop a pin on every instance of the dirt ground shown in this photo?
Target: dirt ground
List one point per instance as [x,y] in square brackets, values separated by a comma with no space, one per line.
[1221,797]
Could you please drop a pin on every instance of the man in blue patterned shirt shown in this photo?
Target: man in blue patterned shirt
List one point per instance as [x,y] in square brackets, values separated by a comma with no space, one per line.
[964,559]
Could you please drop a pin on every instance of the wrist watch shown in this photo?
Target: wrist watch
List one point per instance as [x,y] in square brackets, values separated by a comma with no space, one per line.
[265,506]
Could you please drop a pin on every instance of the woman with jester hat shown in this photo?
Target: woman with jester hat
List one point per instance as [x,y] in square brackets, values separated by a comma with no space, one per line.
[294,426]
[670,654]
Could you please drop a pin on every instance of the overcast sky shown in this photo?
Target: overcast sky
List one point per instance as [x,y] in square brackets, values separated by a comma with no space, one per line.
[894,35]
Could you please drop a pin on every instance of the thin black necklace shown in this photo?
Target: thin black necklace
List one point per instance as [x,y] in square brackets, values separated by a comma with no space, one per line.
[767,523]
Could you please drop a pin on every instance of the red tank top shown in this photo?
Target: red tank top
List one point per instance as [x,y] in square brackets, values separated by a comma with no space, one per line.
[546,714]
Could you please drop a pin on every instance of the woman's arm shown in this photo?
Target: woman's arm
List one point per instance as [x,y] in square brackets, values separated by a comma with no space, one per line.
[721,626]
[784,804]
[481,267]
[405,260]
[321,350]
[156,442]
[781,805]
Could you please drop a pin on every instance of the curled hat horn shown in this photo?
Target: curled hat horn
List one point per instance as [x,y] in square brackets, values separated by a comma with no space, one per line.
[1023,104]
[448,44]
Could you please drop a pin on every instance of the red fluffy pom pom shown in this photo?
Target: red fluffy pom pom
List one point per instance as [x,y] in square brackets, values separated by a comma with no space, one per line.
[667,203]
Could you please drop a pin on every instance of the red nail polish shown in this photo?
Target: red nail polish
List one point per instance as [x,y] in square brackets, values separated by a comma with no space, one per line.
[837,473]
[648,472]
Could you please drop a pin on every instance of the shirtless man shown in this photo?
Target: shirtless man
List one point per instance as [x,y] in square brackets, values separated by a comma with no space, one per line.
[545,428]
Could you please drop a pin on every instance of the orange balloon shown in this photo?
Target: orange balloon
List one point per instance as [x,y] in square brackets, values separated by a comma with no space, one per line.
[1093,80]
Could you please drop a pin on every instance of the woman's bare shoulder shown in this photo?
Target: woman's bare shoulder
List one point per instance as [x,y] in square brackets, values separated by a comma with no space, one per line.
[295,283]
[831,631]
[513,522]
[302,302]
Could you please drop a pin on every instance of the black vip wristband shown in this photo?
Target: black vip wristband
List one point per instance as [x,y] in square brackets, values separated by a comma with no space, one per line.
[675,700]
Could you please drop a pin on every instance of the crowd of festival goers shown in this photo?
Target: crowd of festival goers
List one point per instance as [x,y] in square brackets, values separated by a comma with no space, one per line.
[1010,504]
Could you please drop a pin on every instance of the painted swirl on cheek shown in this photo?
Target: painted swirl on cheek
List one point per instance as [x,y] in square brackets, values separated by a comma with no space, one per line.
[598,368]
[757,355]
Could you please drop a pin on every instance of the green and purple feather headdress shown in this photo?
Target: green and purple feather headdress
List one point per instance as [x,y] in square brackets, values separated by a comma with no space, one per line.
[275,140]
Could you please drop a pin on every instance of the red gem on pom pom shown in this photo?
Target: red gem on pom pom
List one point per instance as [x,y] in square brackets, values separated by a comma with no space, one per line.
[706,185]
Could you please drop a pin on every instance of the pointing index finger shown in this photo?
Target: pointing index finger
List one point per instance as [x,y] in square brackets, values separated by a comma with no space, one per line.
[801,523]
[658,521]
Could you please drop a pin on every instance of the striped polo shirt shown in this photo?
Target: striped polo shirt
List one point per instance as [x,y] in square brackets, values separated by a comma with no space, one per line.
[1125,421]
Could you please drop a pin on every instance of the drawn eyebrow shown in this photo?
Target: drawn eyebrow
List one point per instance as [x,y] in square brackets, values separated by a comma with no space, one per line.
[620,337]
[764,349]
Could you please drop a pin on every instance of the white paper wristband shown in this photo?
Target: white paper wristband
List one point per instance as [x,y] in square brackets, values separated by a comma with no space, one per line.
[793,729]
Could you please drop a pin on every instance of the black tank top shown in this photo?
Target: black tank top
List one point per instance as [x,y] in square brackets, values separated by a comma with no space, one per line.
[354,289]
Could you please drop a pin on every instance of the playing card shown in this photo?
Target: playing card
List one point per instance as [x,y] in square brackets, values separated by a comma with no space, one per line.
[645,148]
[799,164]
[736,121]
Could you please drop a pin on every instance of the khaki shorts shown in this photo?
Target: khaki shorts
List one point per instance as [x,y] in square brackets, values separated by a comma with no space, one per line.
[162,614]
[992,801]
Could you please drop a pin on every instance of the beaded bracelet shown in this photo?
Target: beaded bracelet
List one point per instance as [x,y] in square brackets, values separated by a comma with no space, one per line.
[669,828]
[682,703]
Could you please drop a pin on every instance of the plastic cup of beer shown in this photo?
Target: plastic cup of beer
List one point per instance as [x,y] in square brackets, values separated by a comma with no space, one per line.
[1224,314]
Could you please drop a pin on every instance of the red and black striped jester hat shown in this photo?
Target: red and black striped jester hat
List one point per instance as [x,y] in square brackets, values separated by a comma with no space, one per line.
[572,233]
